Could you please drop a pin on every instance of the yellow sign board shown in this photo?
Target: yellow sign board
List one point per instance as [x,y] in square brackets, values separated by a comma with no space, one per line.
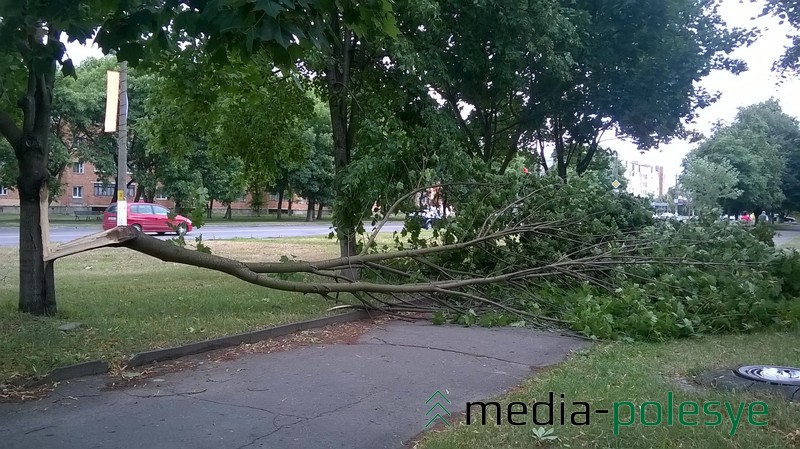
[112,100]
[120,195]
[616,184]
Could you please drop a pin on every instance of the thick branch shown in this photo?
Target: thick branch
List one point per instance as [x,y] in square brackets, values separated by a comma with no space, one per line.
[169,252]
[9,129]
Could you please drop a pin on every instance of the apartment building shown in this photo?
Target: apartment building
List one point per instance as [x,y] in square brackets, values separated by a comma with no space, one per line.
[644,180]
[82,189]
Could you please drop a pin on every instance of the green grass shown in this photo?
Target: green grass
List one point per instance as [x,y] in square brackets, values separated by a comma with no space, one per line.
[129,302]
[640,372]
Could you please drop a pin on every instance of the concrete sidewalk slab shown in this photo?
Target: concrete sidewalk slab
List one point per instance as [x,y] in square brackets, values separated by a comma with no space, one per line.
[370,394]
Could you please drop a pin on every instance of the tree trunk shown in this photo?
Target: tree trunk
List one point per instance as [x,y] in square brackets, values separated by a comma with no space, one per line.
[280,204]
[228,212]
[289,200]
[139,192]
[337,76]
[36,280]
[319,212]
[37,294]
[310,211]
[209,208]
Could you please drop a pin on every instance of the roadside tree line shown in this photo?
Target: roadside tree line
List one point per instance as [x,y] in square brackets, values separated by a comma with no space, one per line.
[415,94]
[752,164]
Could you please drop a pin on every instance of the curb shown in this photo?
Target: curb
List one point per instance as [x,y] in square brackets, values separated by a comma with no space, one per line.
[95,367]
[160,355]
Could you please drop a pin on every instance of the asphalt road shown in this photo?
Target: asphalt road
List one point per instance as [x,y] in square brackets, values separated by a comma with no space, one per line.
[784,236]
[373,393]
[10,236]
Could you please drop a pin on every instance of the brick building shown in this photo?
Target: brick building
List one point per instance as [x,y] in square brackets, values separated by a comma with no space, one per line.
[81,189]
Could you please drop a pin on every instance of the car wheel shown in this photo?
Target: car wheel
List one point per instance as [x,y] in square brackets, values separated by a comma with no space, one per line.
[428,224]
[137,227]
[181,229]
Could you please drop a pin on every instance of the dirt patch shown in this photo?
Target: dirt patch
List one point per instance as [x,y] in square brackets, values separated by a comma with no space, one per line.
[272,250]
[345,333]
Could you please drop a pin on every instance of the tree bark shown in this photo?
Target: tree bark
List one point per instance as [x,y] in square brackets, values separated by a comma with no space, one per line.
[228,212]
[280,204]
[337,76]
[310,211]
[319,212]
[289,200]
[209,208]
[37,293]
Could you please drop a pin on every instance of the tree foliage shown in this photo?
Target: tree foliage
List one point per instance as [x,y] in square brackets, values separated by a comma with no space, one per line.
[787,10]
[758,145]
[709,183]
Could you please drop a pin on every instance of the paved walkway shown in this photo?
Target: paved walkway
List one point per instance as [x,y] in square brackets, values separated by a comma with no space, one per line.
[370,394]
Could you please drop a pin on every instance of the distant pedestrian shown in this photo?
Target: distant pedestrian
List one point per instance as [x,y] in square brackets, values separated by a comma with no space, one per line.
[763,218]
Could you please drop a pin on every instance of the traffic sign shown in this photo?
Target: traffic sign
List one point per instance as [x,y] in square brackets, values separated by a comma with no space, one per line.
[616,184]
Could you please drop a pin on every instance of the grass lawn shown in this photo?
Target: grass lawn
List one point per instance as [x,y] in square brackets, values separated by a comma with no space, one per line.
[639,372]
[129,302]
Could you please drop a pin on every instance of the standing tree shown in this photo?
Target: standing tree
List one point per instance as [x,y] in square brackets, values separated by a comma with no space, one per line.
[782,132]
[709,183]
[30,53]
[758,164]
[634,72]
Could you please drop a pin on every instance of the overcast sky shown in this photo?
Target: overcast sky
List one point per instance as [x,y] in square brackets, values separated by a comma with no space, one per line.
[755,85]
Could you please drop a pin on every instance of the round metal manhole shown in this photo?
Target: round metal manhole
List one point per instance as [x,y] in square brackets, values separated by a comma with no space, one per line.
[781,375]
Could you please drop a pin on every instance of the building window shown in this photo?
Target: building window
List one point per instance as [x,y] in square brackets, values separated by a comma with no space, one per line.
[273,197]
[3,190]
[103,189]
[77,191]
[160,195]
[77,167]
[131,191]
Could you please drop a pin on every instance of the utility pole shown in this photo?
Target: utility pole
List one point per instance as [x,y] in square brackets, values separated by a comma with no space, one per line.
[122,147]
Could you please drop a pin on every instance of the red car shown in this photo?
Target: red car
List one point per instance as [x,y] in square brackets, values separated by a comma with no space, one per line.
[148,217]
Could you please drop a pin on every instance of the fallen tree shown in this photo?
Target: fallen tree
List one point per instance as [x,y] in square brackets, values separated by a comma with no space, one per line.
[548,258]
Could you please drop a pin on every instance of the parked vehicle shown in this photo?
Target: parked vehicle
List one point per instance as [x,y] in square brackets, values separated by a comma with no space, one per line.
[148,217]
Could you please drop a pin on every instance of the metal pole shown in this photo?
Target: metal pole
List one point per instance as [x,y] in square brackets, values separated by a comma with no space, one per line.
[122,147]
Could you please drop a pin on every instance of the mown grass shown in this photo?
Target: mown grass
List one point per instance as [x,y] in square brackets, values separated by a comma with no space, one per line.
[129,302]
[639,372]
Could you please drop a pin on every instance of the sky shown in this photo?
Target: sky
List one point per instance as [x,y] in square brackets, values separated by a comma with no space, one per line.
[755,85]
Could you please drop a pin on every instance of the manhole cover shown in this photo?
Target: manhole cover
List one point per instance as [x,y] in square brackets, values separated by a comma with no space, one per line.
[781,375]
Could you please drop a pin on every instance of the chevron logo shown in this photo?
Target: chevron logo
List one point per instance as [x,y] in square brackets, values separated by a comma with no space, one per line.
[437,408]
